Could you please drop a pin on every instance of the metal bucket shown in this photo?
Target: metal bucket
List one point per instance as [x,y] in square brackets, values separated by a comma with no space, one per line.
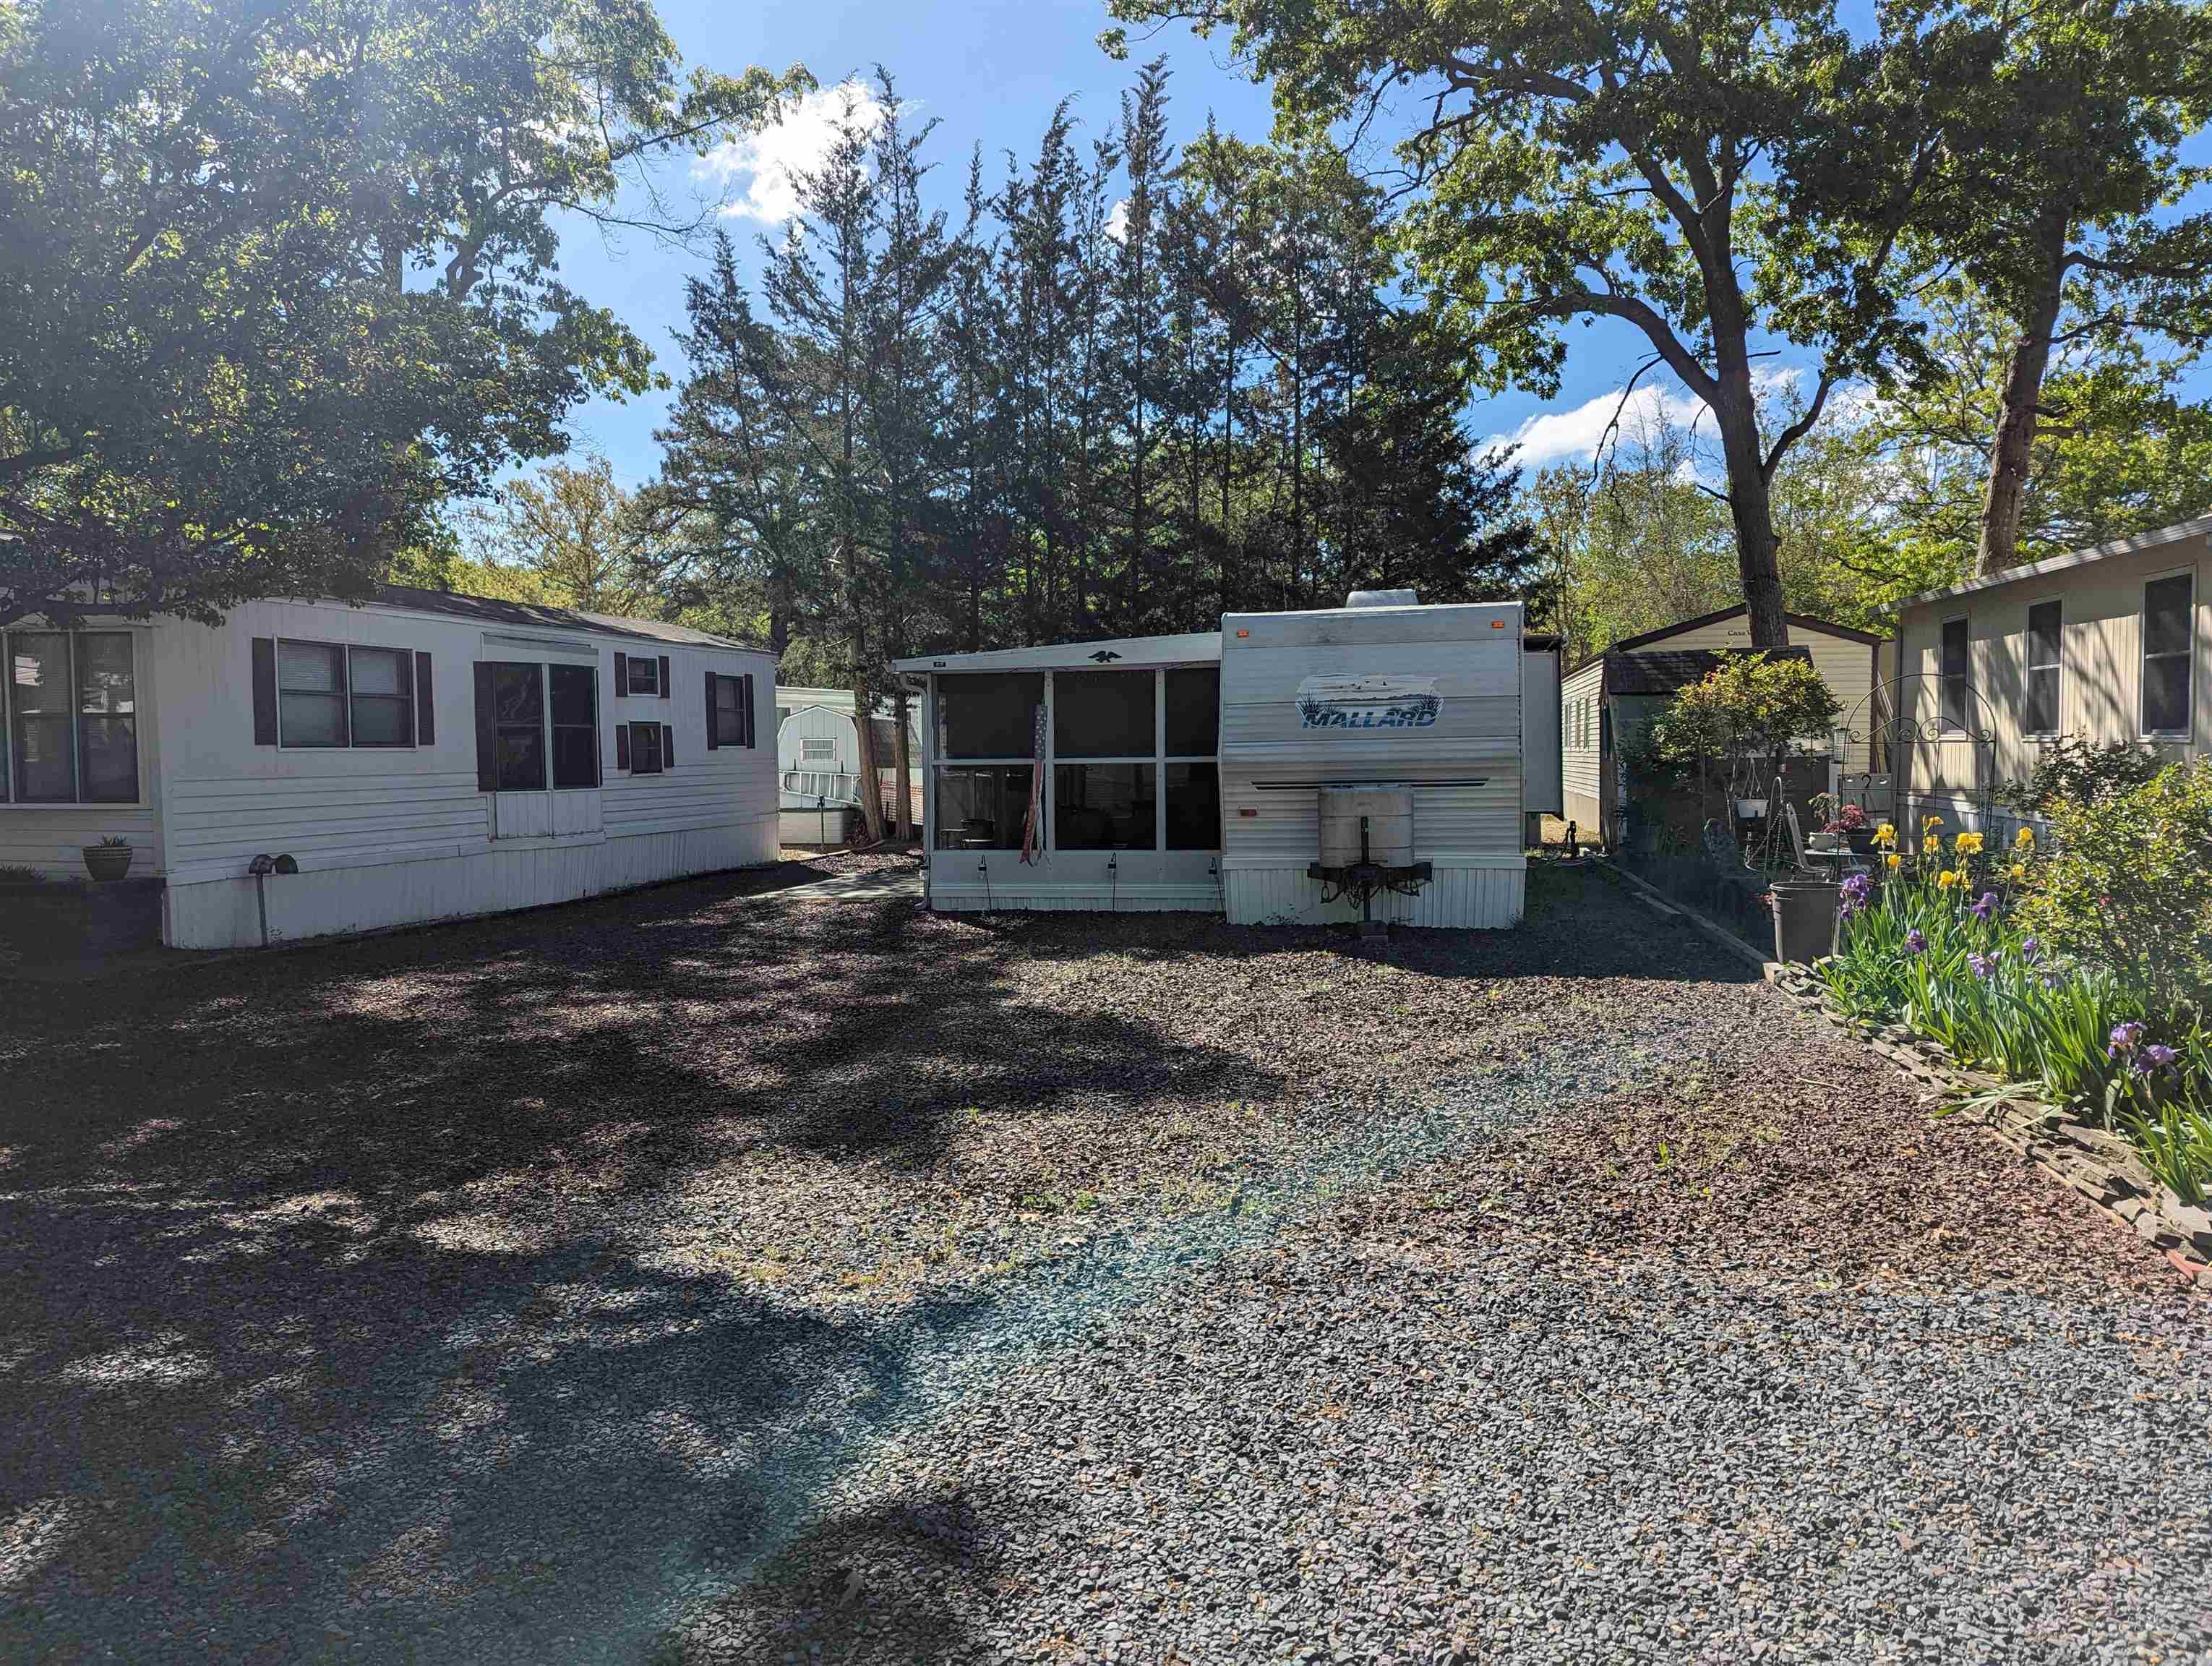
[1804,918]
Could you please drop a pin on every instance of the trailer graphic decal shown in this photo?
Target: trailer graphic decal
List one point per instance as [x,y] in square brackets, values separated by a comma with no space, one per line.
[1377,701]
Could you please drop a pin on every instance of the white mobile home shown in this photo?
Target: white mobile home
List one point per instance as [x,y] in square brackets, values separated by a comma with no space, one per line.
[1190,772]
[420,756]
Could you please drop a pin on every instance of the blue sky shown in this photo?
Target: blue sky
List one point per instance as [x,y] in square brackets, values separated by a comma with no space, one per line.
[989,72]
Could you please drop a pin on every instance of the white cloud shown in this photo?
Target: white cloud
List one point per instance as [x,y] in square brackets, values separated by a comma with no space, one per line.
[1117,223]
[1574,434]
[769,161]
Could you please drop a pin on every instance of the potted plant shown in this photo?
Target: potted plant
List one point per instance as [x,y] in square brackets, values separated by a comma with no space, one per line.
[108,860]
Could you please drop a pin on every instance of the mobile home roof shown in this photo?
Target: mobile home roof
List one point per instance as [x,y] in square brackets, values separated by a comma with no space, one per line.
[2174,534]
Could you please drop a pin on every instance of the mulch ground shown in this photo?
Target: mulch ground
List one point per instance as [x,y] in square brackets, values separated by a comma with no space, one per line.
[692,1274]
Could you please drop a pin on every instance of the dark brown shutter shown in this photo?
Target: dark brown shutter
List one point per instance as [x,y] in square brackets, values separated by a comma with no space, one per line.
[749,709]
[713,719]
[486,731]
[664,677]
[667,746]
[622,745]
[426,703]
[622,673]
[264,690]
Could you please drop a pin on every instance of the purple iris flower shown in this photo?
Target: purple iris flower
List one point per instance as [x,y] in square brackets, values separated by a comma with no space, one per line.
[2051,980]
[2030,951]
[2124,1039]
[1987,906]
[1916,941]
[1858,891]
[1984,965]
[2158,1056]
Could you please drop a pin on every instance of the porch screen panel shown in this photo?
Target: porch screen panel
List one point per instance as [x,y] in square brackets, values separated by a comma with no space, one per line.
[981,808]
[1194,699]
[1103,714]
[1194,806]
[988,715]
[107,718]
[1103,807]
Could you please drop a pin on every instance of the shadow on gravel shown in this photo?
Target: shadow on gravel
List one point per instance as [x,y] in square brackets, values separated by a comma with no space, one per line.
[345,1305]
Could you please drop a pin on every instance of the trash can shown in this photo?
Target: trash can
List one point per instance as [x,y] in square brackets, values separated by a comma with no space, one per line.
[1804,917]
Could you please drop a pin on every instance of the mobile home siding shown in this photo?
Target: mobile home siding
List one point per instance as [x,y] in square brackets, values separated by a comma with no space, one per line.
[2101,679]
[1579,763]
[391,835]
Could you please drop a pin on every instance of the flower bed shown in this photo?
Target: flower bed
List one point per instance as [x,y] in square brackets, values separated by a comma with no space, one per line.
[1941,947]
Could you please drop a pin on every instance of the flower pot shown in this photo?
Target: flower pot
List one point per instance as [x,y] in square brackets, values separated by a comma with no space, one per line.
[1804,918]
[1750,809]
[108,862]
[1862,841]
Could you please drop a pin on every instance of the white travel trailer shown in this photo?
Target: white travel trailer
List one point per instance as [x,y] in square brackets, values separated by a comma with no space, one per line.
[309,767]
[1197,772]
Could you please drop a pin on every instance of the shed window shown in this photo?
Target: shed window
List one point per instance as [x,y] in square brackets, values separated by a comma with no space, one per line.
[2045,648]
[311,693]
[2168,643]
[1958,676]
[68,717]
[816,750]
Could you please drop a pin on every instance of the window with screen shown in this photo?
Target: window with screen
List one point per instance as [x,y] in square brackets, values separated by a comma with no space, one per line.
[986,716]
[518,709]
[311,694]
[381,683]
[1958,676]
[2168,644]
[2045,668]
[69,717]
[1103,714]
[644,674]
[575,724]
[982,808]
[646,756]
[728,715]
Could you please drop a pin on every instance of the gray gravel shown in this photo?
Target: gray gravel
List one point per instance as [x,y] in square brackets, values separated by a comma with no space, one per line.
[1655,1322]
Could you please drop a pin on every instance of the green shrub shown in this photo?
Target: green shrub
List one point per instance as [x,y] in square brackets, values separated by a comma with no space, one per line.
[2075,772]
[2129,885]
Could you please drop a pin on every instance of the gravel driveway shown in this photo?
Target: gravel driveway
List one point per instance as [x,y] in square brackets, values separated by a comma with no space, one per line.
[686,1277]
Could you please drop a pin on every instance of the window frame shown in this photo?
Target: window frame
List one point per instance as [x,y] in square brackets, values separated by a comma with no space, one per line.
[10,772]
[652,664]
[660,762]
[2186,654]
[589,674]
[716,739]
[2029,666]
[1945,723]
[409,694]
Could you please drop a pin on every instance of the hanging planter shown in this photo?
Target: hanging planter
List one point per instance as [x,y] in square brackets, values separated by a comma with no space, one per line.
[1750,809]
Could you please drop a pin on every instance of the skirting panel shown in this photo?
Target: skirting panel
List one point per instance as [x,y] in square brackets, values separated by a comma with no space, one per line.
[223,914]
[1458,898]
[1075,899]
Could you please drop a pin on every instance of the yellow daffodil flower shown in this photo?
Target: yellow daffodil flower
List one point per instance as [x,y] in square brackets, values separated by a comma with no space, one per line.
[1892,859]
[1968,844]
[1946,879]
[2024,839]
[1885,836]
[1930,824]
[2020,871]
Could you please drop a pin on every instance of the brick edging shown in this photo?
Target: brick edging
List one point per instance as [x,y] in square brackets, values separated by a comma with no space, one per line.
[2102,1166]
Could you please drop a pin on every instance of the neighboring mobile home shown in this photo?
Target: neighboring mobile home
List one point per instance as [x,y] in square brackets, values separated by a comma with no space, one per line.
[419,757]
[2105,644]
[817,760]
[1848,659]
[1189,772]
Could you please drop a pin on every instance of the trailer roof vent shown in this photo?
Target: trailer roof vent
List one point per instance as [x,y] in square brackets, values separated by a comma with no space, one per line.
[1383,599]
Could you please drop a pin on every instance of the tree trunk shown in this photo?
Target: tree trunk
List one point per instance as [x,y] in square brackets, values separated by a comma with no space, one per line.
[904,768]
[2004,498]
[871,786]
[1751,508]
